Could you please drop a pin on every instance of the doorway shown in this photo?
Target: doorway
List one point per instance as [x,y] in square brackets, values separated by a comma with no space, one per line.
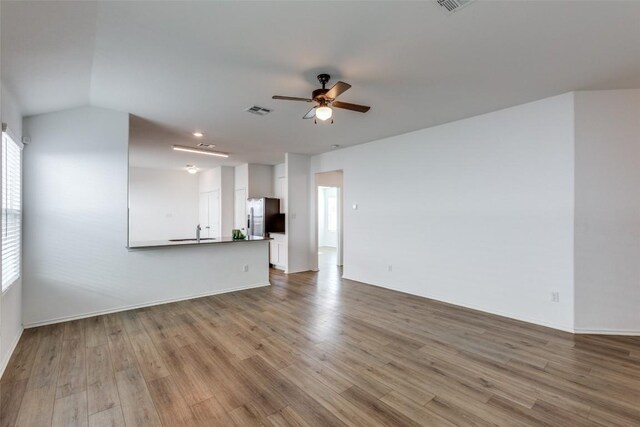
[329,227]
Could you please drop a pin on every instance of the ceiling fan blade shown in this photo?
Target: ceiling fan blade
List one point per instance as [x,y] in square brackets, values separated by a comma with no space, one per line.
[311,113]
[291,98]
[352,107]
[337,89]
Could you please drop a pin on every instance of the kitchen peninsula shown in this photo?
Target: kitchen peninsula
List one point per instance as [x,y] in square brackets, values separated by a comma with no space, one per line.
[151,244]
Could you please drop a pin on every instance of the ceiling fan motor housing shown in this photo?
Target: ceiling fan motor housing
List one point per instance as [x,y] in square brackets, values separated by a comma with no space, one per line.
[318,94]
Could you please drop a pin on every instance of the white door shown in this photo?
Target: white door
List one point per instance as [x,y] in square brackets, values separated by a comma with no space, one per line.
[240,209]
[210,214]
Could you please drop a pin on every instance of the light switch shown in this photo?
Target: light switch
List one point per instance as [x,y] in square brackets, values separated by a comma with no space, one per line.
[355,207]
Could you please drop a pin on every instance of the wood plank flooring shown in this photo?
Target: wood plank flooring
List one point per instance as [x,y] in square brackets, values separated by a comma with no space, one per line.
[317,350]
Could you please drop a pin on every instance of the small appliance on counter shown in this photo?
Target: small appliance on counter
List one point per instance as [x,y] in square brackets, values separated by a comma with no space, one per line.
[264,216]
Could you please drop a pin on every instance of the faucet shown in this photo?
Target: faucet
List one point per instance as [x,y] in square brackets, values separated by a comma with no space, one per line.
[198,229]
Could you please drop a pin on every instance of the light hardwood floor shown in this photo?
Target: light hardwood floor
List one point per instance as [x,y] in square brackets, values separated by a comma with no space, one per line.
[316,350]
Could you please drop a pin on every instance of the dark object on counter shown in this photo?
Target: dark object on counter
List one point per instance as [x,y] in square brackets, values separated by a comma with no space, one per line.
[237,234]
[264,216]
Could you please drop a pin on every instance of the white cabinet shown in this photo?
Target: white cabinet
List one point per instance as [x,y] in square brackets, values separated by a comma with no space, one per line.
[278,250]
[273,252]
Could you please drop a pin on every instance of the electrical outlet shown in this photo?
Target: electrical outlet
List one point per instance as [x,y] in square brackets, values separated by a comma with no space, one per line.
[245,268]
[555,296]
[390,268]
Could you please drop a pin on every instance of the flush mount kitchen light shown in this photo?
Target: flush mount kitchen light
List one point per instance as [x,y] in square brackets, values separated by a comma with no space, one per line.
[199,151]
[192,169]
[198,134]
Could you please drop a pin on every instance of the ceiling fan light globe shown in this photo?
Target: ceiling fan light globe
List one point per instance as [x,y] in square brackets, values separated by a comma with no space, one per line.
[324,113]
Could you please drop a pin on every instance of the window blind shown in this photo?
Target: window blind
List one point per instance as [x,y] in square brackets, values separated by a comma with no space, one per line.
[11,210]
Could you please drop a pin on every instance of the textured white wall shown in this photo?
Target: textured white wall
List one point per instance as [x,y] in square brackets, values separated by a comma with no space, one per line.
[163,204]
[75,260]
[607,258]
[477,212]
[298,218]
[227,193]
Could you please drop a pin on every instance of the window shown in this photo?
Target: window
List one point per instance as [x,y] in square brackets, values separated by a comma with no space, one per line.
[11,210]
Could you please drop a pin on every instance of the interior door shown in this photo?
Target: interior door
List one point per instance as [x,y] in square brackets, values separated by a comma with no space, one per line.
[203,215]
[210,214]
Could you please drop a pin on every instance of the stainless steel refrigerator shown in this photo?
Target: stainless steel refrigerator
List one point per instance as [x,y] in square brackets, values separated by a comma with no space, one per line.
[263,216]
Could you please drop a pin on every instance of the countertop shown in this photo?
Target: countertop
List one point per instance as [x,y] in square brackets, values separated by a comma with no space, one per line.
[147,244]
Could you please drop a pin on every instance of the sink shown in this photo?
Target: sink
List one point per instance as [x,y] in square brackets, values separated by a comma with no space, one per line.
[192,240]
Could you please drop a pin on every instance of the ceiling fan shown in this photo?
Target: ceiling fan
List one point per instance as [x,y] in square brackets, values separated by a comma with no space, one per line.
[325,99]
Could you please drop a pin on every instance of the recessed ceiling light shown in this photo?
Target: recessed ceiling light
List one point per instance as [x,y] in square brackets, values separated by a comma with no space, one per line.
[199,151]
[192,169]
[198,134]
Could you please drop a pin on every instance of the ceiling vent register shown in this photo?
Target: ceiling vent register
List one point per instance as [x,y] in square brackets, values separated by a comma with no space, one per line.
[260,111]
[205,145]
[454,5]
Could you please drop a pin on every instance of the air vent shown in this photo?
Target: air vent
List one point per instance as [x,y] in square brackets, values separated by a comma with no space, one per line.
[454,5]
[205,145]
[260,111]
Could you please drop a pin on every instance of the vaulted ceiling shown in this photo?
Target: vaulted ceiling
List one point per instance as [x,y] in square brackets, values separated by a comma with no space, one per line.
[182,66]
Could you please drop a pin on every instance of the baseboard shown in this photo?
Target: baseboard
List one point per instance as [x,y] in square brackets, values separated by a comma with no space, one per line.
[476,308]
[625,332]
[135,306]
[13,348]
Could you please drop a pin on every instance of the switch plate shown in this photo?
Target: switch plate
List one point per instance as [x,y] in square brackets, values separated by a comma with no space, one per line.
[555,296]
[245,268]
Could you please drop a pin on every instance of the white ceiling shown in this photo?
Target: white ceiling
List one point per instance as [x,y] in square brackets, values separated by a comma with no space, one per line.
[181,66]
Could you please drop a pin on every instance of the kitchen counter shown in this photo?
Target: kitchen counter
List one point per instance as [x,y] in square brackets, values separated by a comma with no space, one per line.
[150,244]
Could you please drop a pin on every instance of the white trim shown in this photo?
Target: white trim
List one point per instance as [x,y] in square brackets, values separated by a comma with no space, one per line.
[625,332]
[10,285]
[13,348]
[563,328]
[13,136]
[134,306]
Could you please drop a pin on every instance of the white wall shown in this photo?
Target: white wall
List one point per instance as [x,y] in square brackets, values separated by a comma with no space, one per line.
[260,181]
[607,228]
[11,299]
[298,214]
[477,212]
[163,204]
[240,183]
[75,260]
